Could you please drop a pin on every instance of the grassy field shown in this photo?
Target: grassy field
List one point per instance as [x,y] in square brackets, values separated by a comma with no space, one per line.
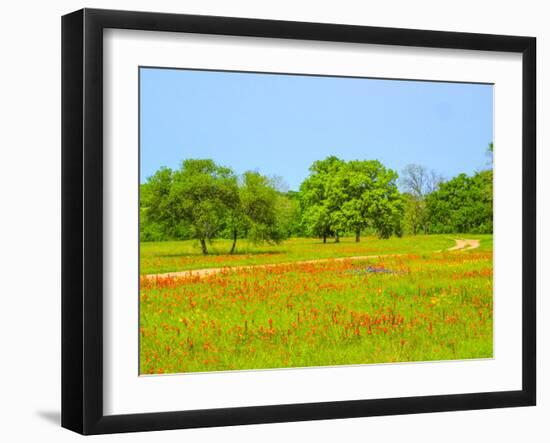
[421,306]
[161,257]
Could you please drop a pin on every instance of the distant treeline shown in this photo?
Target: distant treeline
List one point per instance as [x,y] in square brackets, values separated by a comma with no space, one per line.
[202,200]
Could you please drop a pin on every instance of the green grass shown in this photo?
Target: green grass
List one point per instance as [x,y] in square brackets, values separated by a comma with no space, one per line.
[485,241]
[425,306]
[161,257]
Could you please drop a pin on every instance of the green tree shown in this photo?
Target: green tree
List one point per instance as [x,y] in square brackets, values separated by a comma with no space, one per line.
[463,204]
[293,222]
[154,206]
[317,217]
[415,216]
[202,194]
[417,182]
[343,196]
[368,197]
[259,214]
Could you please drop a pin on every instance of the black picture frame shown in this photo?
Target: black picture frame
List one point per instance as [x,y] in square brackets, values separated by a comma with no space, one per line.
[82,216]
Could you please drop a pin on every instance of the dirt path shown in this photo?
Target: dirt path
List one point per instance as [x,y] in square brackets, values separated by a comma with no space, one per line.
[210,271]
[461,245]
[464,245]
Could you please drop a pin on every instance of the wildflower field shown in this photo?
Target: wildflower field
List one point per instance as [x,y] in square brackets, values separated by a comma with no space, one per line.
[409,304]
[170,256]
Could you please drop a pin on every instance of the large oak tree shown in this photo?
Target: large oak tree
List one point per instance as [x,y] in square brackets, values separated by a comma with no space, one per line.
[341,196]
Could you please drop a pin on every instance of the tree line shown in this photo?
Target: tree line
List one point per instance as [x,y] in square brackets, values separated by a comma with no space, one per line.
[203,200]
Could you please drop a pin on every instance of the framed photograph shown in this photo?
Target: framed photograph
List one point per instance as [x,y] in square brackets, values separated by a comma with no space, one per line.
[268,221]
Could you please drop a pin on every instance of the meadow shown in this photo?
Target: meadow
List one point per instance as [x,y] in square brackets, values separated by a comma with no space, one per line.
[172,256]
[415,302]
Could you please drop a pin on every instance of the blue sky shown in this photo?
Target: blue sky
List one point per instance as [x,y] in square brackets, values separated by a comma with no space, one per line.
[280,124]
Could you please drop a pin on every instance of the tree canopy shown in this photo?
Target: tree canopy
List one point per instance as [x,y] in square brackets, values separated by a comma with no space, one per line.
[462,204]
[417,182]
[201,195]
[317,218]
[341,196]
[205,201]
[259,212]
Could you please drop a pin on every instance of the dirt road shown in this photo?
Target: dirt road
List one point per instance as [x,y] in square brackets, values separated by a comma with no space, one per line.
[464,244]
[461,245]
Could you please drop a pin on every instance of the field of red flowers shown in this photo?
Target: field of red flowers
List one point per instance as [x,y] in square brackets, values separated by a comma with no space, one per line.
[436,306]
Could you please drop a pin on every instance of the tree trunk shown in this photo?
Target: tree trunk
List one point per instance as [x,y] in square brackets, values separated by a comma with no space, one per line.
[234,242]
[336,237]
[324,238]
[357,236]
[203,247]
